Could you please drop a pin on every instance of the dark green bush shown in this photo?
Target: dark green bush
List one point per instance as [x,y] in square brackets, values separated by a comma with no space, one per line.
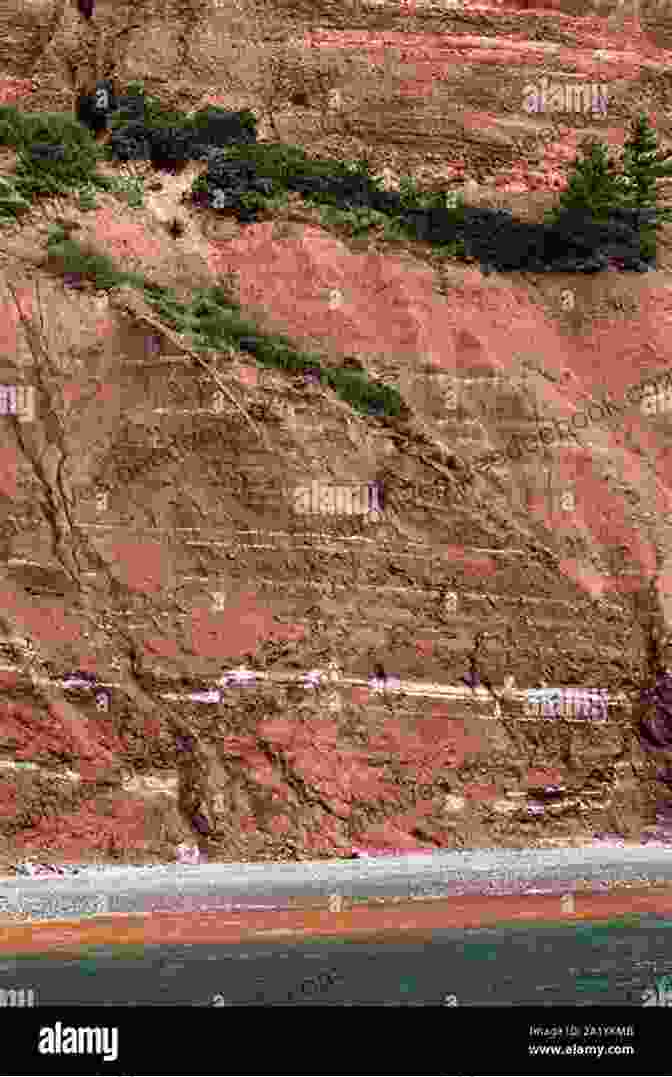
[211,119]
[55,153]
[365,396]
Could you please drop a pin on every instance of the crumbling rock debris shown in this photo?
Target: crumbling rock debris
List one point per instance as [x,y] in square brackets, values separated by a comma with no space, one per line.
[39,869]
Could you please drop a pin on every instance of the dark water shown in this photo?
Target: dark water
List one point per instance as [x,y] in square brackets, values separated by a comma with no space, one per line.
[589,964]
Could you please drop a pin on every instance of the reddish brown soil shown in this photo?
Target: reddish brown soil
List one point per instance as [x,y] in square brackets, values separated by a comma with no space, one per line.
[232,927]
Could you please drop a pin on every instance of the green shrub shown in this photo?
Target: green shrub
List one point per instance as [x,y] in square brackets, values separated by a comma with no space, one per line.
[39,177]
[648,242]
[394,228]
[408,191]
[413,197]
[131,190]
[204,116]
[159,115]
[87,198]
[362,394]
[72,259]
[12,204]
[11,126]
[361,167]
[20,129]
[357,220]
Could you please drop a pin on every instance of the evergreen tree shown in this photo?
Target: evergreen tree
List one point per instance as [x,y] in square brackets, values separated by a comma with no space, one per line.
[593,185]
[642,165]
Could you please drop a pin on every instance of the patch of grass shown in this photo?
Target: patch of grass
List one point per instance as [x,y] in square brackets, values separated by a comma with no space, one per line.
[277,202]
[213,320]
[11,126]
[130,190]
[356,221]
[87,198]
[282,163]
[12,203]
[72,259]
[159,115]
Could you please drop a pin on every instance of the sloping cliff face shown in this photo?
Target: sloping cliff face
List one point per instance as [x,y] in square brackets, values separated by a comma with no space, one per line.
[147,529]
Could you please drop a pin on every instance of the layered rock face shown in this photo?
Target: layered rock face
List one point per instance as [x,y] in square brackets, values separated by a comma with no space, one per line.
[154,537]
